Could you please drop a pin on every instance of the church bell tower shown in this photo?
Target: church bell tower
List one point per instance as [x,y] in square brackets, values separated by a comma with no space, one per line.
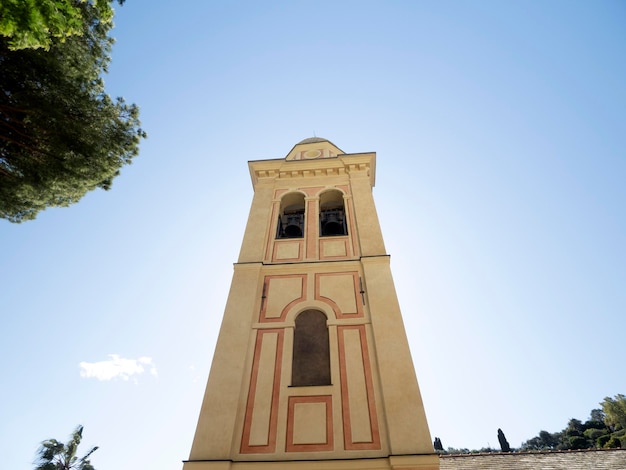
[312,368]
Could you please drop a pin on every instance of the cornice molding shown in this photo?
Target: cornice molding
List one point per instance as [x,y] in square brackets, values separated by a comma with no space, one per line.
[346,164]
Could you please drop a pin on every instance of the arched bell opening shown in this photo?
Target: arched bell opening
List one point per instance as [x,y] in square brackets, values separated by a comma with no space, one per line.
[291,217]
[332,214]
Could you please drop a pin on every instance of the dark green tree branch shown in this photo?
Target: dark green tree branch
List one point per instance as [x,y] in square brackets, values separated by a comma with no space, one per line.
[61,135]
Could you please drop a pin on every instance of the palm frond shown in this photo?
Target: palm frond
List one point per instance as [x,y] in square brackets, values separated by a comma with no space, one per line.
[54,455]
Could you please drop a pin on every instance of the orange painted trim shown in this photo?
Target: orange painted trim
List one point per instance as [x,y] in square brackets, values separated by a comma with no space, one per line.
[273,227]
[374,444]
[283,315]
[246,448]
[340,315]
[323,153]
[311,228]
[312,191]
[326,446]
[351,230]
[350,249]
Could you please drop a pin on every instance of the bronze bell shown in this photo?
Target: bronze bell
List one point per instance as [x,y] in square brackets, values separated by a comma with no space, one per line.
[293,225]
[333,223]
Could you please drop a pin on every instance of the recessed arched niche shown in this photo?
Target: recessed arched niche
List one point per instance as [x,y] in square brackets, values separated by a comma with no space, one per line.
[291,217]
[311,350]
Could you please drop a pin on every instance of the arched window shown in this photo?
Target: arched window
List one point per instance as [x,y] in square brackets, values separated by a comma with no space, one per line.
[332,214]
[311,350]
[291,217]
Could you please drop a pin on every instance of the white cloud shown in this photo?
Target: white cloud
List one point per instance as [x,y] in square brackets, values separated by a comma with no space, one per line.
[117,368]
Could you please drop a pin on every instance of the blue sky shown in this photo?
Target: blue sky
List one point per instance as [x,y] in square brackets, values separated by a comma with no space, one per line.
[500,134]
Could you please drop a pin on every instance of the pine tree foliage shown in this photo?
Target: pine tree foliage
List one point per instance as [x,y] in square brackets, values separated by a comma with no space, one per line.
[605,428]
[615,411]
[61,135]
[36,23]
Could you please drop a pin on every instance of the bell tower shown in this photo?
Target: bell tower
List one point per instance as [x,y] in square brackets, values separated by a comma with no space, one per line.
[312,368]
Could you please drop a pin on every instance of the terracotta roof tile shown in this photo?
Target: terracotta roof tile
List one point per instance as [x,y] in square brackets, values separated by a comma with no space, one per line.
[588,459]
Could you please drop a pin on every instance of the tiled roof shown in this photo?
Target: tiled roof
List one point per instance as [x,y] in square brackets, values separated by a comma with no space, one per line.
[588,459]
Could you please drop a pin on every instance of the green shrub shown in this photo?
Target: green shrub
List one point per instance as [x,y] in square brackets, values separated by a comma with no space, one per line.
[602,440]
[613,443]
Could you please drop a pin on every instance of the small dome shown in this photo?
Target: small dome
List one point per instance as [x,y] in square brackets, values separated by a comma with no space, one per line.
[313,148]
[312,140]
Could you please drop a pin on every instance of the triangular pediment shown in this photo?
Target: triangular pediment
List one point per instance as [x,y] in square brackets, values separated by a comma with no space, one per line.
[313,148]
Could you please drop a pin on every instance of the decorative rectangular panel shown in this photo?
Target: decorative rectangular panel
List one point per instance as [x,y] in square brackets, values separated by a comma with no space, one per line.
[334,248]
[341,291]
[360,421]
[280,293]
[288,250]
[310,424]
[260,421]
